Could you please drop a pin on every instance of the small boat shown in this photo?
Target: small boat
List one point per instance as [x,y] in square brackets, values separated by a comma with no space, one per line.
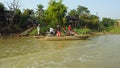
[62,38]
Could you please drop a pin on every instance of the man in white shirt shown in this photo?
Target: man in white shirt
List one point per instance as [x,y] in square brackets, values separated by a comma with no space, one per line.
[38,29]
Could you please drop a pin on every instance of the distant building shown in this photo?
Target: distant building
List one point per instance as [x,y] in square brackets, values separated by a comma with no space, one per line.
[118,20]
[72,20]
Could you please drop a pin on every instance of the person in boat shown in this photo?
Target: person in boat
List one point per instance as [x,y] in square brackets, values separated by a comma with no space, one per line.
[48,33]
[65,31]
[52,32]
[58,30]
[70,30]
[38,29]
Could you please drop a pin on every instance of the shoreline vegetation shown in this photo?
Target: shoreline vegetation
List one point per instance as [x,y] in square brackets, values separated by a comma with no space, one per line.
[32,32]
[60,38]
[17,23]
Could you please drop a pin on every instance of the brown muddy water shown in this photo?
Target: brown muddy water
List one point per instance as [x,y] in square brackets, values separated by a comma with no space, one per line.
[95,52]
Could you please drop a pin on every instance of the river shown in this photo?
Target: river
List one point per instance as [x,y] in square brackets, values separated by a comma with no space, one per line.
[95,52]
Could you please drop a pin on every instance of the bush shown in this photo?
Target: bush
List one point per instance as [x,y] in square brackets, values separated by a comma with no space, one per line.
[115,30]
[82,31]
[33,32]
[42,31]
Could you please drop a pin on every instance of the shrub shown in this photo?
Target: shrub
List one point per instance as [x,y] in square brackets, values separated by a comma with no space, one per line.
[115,30]
[82,31]
[33,32]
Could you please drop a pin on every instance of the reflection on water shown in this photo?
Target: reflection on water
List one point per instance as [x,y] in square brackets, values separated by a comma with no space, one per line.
[96,52]
[22,46]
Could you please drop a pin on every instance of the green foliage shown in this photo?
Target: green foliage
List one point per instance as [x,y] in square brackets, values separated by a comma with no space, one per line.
[40,10]
[73,13]
[89,21]
[1,7]
[33,32]
[27,18]
[18,12]
[40,15]
[55,12]
[18,17]
[42,31]
[64,21]
[107,22]
[82,10]
[86,19]
[83,31]
[115,30]
[28,12]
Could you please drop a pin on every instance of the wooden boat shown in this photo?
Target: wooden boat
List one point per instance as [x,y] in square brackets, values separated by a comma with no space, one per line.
[62,38]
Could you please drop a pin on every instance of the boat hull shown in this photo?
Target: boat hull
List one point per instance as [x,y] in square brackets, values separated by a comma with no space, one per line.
[65,38]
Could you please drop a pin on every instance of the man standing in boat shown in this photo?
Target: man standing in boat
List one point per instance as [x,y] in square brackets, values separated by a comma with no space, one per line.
[38,29]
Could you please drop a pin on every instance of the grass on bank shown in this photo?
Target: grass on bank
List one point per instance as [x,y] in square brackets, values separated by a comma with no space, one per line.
[115,30]
[78,31]
[84,31]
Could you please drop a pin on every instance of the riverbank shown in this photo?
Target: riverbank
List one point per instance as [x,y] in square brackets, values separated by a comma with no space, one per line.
[43,36]
[99,33]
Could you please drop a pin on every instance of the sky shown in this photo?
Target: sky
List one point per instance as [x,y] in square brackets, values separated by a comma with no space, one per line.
[101,8]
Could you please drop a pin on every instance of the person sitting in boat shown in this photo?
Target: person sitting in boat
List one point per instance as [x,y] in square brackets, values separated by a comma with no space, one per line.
[52,32]
[65,31]
[48,33]
[58,30]
[58,33]
[70,30]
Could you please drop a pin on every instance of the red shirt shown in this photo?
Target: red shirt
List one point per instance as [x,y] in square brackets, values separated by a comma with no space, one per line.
[69,28]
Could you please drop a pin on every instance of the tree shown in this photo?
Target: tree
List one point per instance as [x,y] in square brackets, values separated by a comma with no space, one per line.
[82,10]
[1,8]
[84,20]
[39,10]
[55,12]
[73,13]
[15,4]
[40,13]
[18,17]
[107,22]
[27,18]
[94,22]
[89,21]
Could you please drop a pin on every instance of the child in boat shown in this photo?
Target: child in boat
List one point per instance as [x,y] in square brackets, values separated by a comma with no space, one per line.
[58,33]
[58,30]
